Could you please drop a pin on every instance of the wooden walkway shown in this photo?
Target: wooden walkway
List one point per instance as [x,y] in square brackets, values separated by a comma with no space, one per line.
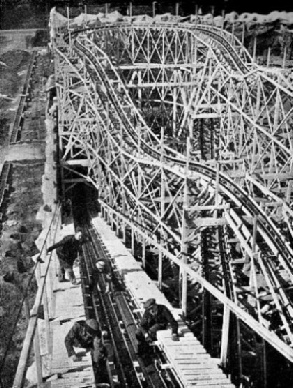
[190,362]
[68,307]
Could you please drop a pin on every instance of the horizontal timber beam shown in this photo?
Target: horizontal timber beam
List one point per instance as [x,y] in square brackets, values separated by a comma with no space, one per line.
[75,180]
[211,115]
[147,66]
[141,85]
[210,221]
[207,207]
[76,162]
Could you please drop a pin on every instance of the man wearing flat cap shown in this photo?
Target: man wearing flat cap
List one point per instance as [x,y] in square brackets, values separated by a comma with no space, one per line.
[87,334]
[156,317]
[67,251]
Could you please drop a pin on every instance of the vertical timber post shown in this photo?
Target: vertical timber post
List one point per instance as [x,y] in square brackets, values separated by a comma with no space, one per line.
[176,9]
[143,253]
[243,34]
[269,57]
[68,27]
[223,18]
[108,213]
[184,235]
[130,9]
[284,57]
[154,8]
[160,269]
[225,336]
[38,360]
[106,8]
[46,316]
[123,189]
[254,49]
[139,88]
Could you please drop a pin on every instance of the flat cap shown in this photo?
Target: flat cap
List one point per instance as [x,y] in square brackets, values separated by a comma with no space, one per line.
[93,324]
[149,303]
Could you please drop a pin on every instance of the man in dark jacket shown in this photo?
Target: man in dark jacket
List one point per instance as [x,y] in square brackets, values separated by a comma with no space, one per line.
[156,317]
[86,334]
[67,251]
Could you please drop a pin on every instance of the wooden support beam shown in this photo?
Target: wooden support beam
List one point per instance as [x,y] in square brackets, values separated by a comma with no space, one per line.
[76,162]
[225,336]
[226,161]
[151,66]
[169,199]
[277,175]
[208,207]
[210,221]
[75,180]
[144,85]
[38,360]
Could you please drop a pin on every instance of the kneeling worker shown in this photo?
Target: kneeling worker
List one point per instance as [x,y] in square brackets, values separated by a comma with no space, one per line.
[156,317]
[86,334]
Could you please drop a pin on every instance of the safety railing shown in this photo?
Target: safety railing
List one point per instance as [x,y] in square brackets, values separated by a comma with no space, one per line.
[44,272]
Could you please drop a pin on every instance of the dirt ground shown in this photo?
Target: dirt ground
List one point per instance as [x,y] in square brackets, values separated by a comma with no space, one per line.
[19,227]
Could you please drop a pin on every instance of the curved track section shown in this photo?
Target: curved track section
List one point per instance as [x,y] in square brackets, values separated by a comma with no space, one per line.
[189,145]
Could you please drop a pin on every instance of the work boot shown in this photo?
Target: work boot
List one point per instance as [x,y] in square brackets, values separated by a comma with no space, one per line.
[71,276]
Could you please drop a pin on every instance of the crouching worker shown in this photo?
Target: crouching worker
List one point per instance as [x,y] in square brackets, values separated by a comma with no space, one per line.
[67,251]
[156,317]
[87,334]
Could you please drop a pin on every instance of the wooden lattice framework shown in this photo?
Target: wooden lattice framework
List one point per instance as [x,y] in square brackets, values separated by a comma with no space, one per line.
[183,134]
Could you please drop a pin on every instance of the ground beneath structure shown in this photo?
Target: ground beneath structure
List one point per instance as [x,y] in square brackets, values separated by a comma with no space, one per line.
[24,159]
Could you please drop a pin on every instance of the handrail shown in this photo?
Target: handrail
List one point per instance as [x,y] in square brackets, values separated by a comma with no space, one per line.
[30,333]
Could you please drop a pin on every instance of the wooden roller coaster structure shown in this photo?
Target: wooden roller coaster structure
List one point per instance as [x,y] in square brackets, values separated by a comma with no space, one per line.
[189,145]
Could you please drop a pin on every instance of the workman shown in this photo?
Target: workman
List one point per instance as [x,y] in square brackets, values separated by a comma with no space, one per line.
[87,334]
[156,317]
[68,249]
[104,266]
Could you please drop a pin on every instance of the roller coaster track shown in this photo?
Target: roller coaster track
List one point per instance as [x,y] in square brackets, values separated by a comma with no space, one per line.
[111,308]
[109,104]
[232,190]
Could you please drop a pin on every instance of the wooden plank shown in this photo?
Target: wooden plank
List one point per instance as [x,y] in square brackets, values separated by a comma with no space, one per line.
[208,207]
[213,385]
[202,371]
[199,365]
[210,221]
[206,379]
